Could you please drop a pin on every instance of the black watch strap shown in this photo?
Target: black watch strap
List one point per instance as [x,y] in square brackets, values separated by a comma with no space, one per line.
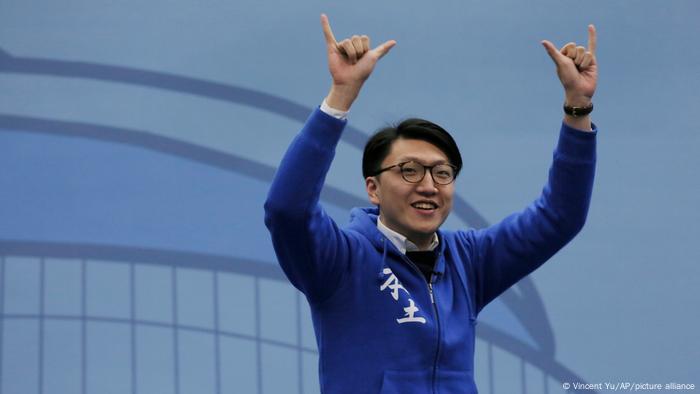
[578,111]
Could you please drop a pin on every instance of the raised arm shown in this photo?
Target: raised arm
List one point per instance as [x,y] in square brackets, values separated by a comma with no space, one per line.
[310,248]
[505,252]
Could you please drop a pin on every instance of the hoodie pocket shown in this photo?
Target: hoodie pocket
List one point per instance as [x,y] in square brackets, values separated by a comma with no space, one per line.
[407,382]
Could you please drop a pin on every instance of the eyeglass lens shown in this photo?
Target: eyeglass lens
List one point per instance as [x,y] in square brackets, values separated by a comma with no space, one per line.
[414,172]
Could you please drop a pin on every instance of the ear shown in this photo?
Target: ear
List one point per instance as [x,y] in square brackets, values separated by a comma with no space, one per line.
[372,186]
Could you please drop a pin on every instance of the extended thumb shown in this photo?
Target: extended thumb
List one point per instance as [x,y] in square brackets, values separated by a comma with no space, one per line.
[551,51]
[384,48]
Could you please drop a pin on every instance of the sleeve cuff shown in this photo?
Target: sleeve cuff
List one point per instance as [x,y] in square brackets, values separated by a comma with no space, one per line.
[577,145]
[323,129]
[336,113]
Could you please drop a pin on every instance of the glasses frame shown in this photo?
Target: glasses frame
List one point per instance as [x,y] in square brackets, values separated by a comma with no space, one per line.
[425,171]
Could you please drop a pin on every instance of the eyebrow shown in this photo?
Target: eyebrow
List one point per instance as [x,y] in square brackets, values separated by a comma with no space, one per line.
[413,158]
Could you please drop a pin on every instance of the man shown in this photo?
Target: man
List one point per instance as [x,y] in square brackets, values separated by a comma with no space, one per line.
[394,299]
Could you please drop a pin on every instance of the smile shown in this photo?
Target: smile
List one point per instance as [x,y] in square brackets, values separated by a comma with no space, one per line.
[425,205]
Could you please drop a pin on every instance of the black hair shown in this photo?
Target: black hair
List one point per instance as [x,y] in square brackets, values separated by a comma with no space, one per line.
[379,145]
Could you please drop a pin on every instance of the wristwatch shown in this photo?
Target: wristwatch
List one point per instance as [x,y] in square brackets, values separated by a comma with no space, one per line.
[578,111]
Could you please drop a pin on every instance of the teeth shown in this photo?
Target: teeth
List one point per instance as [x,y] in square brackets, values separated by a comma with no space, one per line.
[424,205]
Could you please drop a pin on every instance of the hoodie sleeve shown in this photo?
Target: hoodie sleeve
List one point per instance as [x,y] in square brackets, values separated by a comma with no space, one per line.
[507,251]
[311,249]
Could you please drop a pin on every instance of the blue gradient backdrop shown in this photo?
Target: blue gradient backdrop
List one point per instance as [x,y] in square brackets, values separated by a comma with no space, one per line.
[138,139]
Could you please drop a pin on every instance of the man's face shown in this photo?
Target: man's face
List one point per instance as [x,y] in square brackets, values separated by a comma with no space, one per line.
[400,201]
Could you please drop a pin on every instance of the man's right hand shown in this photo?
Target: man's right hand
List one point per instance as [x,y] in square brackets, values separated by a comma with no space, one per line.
[350,62]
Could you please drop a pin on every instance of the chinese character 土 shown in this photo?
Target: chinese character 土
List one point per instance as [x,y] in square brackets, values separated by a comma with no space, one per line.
[410,318]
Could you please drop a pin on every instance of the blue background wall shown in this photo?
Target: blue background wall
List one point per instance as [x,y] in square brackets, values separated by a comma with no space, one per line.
[137,141]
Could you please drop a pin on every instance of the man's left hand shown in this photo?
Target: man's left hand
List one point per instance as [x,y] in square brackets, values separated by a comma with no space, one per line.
[577,69]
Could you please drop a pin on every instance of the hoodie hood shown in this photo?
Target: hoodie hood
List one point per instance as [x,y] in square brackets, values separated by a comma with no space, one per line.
[364,221]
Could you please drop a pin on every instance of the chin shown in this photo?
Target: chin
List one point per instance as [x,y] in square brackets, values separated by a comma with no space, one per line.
[425,230]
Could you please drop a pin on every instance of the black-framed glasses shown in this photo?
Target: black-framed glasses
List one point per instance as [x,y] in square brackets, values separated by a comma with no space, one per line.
[414,172]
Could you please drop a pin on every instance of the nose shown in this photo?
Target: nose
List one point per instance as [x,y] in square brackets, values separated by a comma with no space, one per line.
[427,185]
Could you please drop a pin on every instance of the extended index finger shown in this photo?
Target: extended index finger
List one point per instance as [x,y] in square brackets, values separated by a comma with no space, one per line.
[327,32]
[591,39]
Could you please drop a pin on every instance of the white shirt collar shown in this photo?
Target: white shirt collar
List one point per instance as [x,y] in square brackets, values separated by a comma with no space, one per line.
[402,243]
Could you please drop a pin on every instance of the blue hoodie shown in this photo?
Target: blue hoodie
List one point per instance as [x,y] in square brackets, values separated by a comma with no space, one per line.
[380,326]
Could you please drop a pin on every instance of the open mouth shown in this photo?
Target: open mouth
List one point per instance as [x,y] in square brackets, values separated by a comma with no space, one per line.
[425,205]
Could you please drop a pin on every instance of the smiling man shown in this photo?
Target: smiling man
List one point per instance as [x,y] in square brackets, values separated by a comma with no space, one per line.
[394,299]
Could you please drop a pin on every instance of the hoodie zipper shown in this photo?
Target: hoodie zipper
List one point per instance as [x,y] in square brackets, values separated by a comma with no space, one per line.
[435,311]
[437,319]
